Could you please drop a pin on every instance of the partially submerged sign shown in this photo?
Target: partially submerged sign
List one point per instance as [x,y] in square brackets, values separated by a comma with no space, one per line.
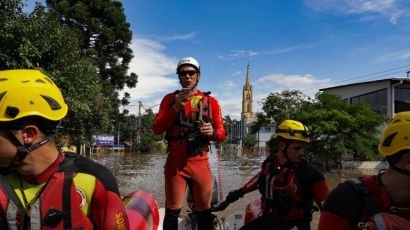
[104,140]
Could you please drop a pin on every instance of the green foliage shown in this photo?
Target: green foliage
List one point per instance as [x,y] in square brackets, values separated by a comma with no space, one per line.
[104,36]
[337,127]
[250,140]
[55,42]
[139,131]
[283,105]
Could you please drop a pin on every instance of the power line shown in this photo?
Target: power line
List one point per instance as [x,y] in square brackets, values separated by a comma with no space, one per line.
[367,75]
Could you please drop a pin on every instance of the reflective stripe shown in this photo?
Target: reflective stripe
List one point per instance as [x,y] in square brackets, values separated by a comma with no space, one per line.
[379,221]
[35,215]
[12,215]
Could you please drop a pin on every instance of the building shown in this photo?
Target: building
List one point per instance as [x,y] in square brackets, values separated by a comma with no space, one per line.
[264,134]
[386,96]
[247,115]
[239,129]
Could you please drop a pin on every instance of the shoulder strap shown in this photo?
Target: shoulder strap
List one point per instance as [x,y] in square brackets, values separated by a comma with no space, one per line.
[13,197]
[373,206]
[68,167]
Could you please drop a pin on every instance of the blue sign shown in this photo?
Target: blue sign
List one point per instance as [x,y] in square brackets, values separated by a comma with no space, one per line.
[104,140]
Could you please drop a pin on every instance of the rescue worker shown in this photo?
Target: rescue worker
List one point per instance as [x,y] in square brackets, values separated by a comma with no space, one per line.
[287,183]
[45,188]
[190,118]
[381,201]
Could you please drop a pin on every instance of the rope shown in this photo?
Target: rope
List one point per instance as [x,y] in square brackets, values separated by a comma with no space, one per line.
[218,155]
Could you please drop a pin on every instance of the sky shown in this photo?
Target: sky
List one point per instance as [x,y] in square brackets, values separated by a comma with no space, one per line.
[301,45]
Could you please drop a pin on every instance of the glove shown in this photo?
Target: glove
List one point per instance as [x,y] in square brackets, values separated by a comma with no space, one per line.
[233,196]
[219,207]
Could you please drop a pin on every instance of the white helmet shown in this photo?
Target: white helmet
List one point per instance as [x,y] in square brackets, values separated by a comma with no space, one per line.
[188,61]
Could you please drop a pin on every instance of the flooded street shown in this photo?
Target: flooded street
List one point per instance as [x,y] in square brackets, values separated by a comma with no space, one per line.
[145,172]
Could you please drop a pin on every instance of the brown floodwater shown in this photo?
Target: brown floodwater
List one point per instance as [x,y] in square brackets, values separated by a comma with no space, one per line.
[137,171]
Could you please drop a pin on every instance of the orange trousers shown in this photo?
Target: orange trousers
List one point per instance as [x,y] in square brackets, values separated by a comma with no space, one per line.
[178,173]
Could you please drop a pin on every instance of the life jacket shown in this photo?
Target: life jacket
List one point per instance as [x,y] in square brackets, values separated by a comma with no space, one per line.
[380,218]
[283,196]
[58,205]
[187,127]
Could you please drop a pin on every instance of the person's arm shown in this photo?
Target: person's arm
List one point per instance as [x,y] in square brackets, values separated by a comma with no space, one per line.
[250,186]
[107,209]
[219,133]
[342,209]
[166,115]
[320,192]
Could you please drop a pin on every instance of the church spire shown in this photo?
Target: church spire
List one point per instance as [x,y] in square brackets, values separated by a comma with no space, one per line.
[248,76]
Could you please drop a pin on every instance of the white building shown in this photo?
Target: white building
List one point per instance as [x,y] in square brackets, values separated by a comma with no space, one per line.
[387,96]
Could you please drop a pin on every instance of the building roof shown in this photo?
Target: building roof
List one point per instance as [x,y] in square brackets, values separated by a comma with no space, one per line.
[366,82]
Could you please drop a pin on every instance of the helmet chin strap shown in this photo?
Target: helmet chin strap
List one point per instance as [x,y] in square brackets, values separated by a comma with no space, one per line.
[399,170]
[23,151]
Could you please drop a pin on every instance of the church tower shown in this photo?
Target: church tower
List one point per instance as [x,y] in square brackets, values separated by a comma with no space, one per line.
[247,114]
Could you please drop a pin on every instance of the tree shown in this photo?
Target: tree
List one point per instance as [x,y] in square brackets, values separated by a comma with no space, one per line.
[340,128]
[39,40]
[337,128]
[104,36]
[283,105]
[250,140]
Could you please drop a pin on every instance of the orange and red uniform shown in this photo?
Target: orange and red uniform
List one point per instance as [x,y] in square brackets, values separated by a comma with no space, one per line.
[182,164]
[73,193]
[288,193]
[348,207]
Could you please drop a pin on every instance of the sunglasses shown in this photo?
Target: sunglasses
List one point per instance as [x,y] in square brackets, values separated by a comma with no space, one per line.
[189,72]
[292,132]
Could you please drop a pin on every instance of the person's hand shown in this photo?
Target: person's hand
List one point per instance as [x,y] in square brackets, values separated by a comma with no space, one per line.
[206,129]
[181,99]
[220,207]
[233,196]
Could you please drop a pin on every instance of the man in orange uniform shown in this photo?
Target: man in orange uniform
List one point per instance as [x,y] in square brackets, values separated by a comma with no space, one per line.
[45,188]
[376,202]
[191,119]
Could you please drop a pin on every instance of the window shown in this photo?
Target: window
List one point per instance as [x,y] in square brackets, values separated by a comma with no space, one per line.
[401,99]
[377,100]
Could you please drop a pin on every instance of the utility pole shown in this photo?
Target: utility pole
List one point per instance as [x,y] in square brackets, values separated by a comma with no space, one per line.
[139,122]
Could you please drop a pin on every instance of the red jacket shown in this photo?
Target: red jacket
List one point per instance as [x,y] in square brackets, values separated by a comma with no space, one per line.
[167,121]
[346,208]
[294,203]
[73,193]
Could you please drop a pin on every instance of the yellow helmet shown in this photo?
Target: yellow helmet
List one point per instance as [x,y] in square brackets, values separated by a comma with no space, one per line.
[293,130]
[396,136]
[29,93]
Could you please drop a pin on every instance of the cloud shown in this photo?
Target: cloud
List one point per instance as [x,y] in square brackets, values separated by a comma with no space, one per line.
[236,54]
[231,100]
[187,36]
[396,56]
[291,81]
[156,70]
[391,9]
[228,85]
[289,49]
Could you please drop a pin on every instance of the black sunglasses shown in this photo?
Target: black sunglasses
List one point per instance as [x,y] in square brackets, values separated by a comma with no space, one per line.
[292,132]
[189,72]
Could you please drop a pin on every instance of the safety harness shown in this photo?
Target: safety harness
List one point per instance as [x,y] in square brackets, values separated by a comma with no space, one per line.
[53,216]
[281,193]
[381,218]
[188,127]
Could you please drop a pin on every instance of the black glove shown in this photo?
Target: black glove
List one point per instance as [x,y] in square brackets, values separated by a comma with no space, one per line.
[219,207]
[233,196]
